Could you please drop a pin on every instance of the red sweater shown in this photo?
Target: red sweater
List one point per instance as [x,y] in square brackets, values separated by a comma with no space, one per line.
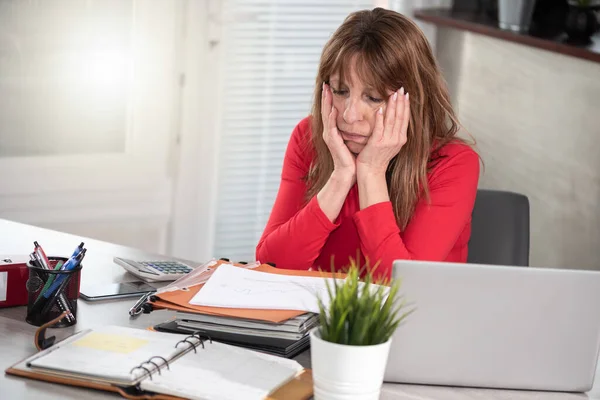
[298,235]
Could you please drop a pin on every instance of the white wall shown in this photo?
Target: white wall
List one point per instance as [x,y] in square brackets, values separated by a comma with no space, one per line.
[535,116]
[61,166]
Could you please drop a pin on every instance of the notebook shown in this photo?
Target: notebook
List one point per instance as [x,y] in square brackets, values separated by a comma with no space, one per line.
[149,362]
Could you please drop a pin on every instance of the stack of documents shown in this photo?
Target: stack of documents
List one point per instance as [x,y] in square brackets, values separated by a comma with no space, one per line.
[262,308]
[286,339]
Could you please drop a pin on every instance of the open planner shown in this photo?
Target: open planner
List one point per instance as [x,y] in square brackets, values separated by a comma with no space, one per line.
[137,362]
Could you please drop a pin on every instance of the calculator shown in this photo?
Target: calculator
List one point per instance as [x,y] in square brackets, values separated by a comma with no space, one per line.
[154,270]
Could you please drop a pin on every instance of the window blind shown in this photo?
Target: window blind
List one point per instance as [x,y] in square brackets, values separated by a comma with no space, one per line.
[271,52]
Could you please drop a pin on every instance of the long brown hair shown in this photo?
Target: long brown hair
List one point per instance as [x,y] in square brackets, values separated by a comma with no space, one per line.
[389,51]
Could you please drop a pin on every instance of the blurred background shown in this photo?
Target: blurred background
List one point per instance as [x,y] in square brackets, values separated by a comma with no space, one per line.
[162,124]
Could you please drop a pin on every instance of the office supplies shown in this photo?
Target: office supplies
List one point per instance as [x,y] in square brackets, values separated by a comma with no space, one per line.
[13,278]
[266,330]
[494,326]
[138,362]
[230,286]
[179,300]
[57,267]
[71,264]
[285,339]
[46,300]
[92,291]
[281,347]
[39,258]
[154,270]
[137,308]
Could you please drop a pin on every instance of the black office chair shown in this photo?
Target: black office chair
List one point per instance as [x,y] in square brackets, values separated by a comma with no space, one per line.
[500,229]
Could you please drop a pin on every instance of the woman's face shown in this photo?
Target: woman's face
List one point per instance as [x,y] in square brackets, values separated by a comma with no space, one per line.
[357,106]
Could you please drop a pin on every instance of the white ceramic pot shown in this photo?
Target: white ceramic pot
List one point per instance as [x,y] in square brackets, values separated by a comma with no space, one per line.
[342,372]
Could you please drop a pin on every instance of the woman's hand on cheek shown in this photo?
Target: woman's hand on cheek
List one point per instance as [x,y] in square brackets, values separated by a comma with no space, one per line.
[388,137]
[344,161]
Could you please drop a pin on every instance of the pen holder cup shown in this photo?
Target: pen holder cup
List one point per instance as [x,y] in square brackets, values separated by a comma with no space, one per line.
[51,292]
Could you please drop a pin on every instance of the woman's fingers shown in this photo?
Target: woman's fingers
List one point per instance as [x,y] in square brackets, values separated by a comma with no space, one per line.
[397,123]
[331,122]
[379,126]
[390,115]
[405,120]
[326,103]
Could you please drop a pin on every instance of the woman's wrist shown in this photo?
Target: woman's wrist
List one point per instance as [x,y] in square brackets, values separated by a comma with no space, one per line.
[372,187]
[333,195]
[343,178]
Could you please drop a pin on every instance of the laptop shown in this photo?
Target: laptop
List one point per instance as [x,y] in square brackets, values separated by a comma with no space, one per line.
[492,326]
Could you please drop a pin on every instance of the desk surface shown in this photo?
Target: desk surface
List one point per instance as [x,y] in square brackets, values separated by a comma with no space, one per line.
[16,336]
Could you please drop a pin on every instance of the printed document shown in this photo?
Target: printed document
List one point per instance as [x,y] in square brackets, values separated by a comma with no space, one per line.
[235,287]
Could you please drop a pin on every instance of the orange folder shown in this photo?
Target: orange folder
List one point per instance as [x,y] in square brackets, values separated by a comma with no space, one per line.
[179,300]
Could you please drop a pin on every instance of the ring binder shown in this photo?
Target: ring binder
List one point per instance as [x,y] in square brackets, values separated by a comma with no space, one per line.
[255,376]
[153,363]
[195,335]
[158,367]
[191,344]
[199,337]
[141,367]
[162,358]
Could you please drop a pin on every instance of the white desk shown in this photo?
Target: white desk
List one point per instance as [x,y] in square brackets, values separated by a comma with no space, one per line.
[16,336]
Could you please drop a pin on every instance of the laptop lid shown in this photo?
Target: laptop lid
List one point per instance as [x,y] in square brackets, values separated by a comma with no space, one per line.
[496,326]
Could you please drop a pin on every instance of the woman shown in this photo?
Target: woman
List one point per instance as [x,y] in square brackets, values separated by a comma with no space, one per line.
[377,170]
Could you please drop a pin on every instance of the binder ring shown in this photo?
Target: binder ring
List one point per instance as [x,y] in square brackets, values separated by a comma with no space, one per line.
[153,363]
[144,368]
[186,340]
[200,338]
[162,358]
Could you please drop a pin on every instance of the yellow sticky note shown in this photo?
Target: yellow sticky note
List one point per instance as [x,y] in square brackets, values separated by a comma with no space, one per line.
[112,343]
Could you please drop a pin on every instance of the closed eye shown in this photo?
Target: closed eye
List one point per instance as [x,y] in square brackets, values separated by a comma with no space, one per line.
[375,99]
[341,92]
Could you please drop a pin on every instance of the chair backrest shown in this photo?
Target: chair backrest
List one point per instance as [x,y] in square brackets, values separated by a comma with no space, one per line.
[500,229]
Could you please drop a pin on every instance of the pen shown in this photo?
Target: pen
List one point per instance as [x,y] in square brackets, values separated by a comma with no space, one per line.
[56,294]
[137,307]
[41,255]
[50,279]
[72,263]
[77,250]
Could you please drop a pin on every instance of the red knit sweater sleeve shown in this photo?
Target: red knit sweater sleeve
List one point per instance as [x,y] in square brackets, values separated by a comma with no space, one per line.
[435,226]
[296,231]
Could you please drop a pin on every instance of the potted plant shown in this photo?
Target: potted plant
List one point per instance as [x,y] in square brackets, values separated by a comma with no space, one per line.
[350,347]
[581,22]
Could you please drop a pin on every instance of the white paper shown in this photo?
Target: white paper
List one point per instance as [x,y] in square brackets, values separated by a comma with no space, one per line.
[198,276]
[3,285]
[235,287]
[110,352]
[220,371]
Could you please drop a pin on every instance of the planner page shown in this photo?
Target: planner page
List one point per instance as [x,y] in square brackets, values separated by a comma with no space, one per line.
[110,353]
[221,371]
